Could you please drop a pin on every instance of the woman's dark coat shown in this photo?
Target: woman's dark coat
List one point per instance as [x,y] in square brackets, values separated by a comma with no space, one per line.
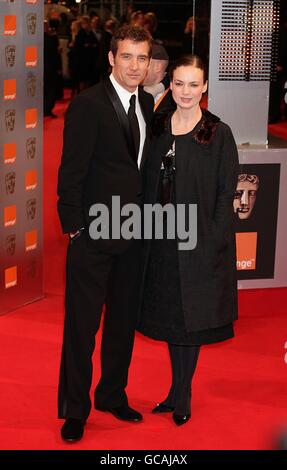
[206,175]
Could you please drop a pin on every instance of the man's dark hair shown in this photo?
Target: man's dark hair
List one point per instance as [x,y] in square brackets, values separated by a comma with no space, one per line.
[133,33]
[186,60]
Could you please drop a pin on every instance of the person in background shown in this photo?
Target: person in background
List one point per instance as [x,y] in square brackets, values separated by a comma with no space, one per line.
[73,59]
[189,36]
[126,17]
[151,24]
[189,294]
[156,81]
[51,69]
[54,25]
[97,34]
[95,27]
[278,86]
[196,37]
[109,30]
[64,26]
[84,53]
[137,18]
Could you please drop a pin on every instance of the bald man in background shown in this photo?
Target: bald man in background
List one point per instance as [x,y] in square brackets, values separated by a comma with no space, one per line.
[156,81]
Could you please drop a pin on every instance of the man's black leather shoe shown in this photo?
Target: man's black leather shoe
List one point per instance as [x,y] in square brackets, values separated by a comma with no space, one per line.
[72,430]
[180,419]
[123,412]
[162,408]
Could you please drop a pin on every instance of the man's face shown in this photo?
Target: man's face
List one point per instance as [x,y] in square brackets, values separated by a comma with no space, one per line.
[244,199]
[130,63]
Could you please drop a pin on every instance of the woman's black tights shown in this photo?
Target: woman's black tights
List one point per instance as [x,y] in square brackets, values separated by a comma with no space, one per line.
[183,364]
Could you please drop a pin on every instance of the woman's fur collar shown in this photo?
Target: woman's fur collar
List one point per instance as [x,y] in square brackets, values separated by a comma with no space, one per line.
[203,135]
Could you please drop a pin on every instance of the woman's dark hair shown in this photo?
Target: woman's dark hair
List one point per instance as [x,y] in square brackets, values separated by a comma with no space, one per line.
[134,33]
[186,60]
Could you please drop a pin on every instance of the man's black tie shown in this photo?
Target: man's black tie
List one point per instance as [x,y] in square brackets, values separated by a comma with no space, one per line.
[134,124]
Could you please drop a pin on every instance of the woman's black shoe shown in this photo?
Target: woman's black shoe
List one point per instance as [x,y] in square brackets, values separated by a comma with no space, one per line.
[162,408]
[180,419]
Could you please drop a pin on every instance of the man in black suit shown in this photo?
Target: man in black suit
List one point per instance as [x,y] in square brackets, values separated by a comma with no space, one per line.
[105,141]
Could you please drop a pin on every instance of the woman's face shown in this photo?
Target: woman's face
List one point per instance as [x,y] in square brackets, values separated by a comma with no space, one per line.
[188,86]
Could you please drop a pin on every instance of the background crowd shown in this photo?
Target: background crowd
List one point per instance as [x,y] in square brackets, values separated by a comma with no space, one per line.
[76,48]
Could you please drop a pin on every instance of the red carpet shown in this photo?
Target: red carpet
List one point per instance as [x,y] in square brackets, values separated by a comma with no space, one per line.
[279,129]
[239,392]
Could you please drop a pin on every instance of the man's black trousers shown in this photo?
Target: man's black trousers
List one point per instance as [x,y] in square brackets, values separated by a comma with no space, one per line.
[93,279]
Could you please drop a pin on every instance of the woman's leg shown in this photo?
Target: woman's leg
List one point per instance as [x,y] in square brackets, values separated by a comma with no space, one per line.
[188,362]
[183,364]
[175,359]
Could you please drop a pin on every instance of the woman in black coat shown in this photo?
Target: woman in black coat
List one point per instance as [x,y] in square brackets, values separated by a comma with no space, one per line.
[189,296]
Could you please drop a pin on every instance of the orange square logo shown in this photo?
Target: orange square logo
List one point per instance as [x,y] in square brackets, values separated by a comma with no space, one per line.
[9,216]
[32,2]
[10,152]
[10,277]
[10,89]
[246,249]
[31,239]
[31,56]
[31,179]
[9,25]
[31,118]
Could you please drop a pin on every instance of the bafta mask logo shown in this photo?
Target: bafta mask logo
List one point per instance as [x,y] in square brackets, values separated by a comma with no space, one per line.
[31,84]
[11,244]
[10,180]
[32,269]
[10,117]
[245,195]
[31,209]
[31,148]
[31,23]
[10,55]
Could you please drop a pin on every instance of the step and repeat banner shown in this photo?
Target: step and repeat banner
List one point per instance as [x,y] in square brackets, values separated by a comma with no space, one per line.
[260,202]
[21,97]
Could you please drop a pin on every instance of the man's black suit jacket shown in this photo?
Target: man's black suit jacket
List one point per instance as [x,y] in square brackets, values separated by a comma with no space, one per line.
[98,159]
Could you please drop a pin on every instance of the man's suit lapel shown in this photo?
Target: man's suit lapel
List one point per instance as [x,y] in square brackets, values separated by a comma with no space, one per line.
[121,114]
